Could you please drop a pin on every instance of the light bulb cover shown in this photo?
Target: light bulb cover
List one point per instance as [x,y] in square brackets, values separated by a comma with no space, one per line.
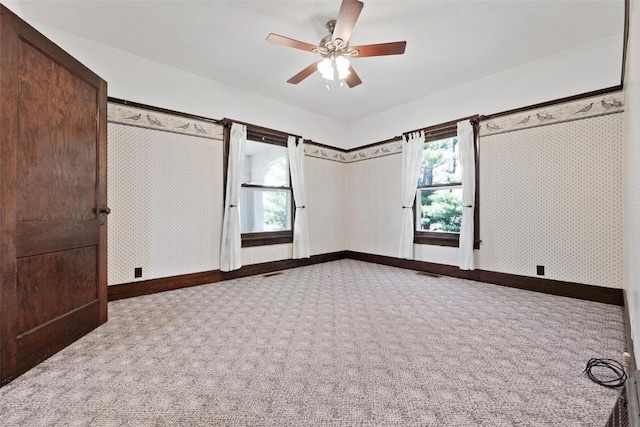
[342,65]
[325,67]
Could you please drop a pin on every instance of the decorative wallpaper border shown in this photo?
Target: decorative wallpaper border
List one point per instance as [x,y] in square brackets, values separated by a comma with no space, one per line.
[574,110]
[140,117]
[558,113]
[367,153]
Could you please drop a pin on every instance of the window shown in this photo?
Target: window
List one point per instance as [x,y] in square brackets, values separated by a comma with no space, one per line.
[266,204]
[438,207]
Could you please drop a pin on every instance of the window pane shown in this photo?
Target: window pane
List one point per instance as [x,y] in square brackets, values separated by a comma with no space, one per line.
[440,210]
[265,164]
[264,210]
[440,162]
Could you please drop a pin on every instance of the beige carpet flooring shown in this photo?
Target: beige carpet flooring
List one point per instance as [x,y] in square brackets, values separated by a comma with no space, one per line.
[344,343]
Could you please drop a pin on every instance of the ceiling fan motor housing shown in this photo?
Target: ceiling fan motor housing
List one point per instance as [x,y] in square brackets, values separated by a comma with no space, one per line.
[330,47]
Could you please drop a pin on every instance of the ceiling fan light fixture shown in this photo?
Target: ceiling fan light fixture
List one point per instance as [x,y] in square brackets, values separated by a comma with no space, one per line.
[342,65]
[326,68]
[334,66]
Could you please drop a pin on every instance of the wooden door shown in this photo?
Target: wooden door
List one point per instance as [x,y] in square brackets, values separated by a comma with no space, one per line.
[53,285]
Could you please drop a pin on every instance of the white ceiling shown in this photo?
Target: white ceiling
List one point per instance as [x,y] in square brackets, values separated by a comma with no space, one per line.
[449,43]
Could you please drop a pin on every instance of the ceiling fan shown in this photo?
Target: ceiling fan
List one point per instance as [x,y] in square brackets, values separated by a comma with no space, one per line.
[334,48]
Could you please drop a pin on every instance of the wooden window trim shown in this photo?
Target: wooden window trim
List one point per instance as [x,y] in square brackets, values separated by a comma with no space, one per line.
[438,238]
[268,136]
[266,187]
[267,238]
[438,186]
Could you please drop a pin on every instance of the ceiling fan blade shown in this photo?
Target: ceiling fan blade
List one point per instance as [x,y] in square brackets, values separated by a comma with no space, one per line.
[303,74]
[286,41]
[393,48]
[347,17]
[352,79]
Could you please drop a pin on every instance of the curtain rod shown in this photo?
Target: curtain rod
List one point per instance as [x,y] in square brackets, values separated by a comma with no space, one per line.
[227,122]
[446,125]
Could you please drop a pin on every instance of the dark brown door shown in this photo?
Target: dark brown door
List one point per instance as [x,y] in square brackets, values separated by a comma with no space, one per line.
[53,188]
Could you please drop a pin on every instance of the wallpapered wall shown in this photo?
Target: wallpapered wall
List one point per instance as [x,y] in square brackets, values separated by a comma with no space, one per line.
[552,196]
[549,195]
[166,216]
[165,190]
[326,198]
[374,205]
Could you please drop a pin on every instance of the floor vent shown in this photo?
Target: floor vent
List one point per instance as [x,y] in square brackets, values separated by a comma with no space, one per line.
[272,274]
[426,273]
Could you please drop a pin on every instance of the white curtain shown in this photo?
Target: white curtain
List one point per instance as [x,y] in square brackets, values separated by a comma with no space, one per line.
[411,162]
[230,252]
[300,228]
[468,165]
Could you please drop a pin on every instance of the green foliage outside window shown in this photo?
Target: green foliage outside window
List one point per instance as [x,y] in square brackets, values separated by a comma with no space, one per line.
[440,208]
[275,202]
[275,210]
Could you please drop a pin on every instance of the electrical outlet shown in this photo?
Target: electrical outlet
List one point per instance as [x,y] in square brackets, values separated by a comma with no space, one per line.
[540,270]
[137,272]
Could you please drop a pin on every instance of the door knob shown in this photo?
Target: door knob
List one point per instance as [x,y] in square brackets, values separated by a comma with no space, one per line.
[104,211]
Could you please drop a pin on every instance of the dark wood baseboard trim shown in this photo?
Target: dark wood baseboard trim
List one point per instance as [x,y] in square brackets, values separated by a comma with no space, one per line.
[547,286]
[146,287]
[152,286]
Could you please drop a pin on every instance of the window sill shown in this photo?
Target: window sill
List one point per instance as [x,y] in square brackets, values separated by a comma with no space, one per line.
[440,239]
[437,239]
[266,238]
